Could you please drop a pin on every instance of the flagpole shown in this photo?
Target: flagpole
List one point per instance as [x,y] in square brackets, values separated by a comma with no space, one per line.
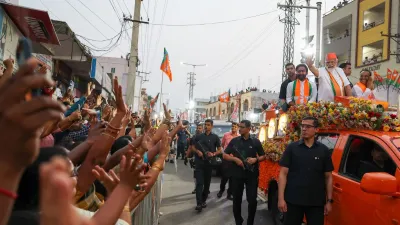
[161,94]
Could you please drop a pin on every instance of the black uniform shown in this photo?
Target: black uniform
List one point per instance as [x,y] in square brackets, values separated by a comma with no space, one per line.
[282,93]
[203,168]
[249,148]
[305,191]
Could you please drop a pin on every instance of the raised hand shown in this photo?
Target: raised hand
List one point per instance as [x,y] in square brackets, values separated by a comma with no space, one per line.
[96,131]
[21,121]
[90,112]
[146,123]
[76,115]
[121,107]
[89,89]
[131,172]
[109,180]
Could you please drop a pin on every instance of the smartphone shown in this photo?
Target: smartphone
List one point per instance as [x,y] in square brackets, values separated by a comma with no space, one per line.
[24,52]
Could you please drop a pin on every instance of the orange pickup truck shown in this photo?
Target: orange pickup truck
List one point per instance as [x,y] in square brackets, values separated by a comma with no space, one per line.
[365,190]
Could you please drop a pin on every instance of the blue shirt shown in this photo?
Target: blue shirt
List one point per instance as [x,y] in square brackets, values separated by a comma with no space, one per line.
[182,137]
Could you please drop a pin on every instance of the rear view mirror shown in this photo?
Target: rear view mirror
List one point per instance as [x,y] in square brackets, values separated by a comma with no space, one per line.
[380,183]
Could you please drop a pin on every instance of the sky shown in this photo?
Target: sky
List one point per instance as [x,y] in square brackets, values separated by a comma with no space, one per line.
[237,54]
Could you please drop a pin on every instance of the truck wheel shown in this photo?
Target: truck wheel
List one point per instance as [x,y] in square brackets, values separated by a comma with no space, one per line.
[277,216]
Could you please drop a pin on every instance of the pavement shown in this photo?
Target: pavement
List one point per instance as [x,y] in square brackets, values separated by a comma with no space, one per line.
[178,202]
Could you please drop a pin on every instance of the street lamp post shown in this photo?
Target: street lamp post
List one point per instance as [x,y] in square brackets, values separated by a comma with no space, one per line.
[191,83]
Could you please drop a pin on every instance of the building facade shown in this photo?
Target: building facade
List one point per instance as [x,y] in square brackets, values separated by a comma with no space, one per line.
[249,108]
[359,33]
[104,69]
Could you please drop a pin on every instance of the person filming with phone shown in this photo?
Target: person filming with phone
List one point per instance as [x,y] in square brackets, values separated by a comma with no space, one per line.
[246,152]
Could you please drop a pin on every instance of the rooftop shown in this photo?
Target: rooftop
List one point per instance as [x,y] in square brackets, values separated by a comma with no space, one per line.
[340,6]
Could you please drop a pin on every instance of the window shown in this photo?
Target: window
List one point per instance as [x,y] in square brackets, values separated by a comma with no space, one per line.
[329,140]
[363,156]
[372,53]
[374,16]
[112,70]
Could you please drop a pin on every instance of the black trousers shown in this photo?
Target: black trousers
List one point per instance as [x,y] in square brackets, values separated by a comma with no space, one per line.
[224,180]
[181,150]
[251,183]
[203,172]
[295,214]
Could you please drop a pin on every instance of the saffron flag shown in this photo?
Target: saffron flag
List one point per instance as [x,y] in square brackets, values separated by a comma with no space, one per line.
[397,82]
[394,77]
[153,101]
[225,97]
[388,76]
[165,67]
[378,79]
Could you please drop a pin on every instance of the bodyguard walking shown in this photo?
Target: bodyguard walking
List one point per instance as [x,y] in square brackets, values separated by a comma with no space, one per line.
[246,153]
[305,178]
[207,146]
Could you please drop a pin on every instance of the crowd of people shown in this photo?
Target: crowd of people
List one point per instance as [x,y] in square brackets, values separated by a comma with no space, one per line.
[68,163]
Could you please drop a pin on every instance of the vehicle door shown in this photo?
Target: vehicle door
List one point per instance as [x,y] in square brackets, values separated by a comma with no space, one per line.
[334,142]
[352,205]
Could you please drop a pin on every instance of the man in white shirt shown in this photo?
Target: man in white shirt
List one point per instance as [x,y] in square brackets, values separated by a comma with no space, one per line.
[301,90]
[331,79]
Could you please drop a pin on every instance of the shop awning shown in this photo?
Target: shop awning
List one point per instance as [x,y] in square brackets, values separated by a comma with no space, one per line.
[33,24]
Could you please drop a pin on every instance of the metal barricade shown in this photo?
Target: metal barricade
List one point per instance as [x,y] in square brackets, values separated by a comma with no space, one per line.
[148,211]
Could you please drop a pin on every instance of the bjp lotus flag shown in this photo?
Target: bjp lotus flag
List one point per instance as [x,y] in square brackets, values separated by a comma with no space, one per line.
[165,67]
[225,97]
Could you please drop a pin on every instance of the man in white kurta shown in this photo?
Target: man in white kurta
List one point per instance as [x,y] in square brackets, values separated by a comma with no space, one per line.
[304,96]
[332,81]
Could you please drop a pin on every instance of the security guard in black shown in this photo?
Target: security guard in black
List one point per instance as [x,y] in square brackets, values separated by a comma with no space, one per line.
[250,150]
[210,143]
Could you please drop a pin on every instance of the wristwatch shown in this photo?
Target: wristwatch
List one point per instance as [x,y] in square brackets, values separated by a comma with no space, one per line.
[329,200]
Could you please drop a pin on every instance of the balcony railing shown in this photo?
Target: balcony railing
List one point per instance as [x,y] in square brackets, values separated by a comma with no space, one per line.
[338,7]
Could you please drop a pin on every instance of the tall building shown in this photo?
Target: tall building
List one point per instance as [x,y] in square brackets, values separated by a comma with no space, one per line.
[358,33]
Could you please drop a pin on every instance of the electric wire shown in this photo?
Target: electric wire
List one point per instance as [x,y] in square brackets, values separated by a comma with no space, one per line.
[127,8]
[50,10]
[160,32]
[115,10]
[226,67]
[151,33]
[123,13]
[212,23]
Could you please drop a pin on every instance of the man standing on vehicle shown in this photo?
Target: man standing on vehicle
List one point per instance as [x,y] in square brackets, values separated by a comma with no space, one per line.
[305,178]
[210,144]
[226,166]
[245,152]
[331,79]
[291,76]
[301,90]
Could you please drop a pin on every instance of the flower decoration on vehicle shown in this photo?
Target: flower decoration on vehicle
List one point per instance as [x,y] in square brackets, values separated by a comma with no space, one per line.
[360,114]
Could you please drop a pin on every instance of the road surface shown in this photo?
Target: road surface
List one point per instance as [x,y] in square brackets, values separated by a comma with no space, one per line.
[178,202]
